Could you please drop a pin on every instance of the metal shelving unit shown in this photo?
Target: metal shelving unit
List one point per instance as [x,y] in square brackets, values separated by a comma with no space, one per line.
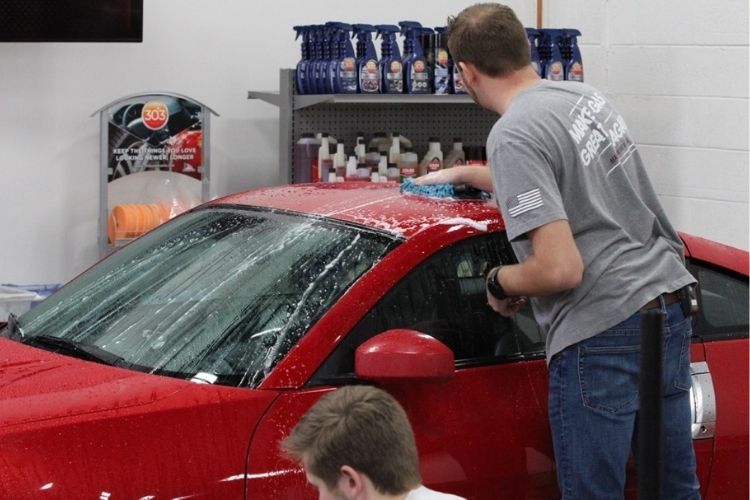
[417,117]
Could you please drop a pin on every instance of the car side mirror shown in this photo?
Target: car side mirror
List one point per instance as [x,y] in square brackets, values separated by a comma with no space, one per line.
[404,355]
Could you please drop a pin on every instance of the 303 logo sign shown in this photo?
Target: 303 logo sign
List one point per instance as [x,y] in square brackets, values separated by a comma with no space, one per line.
[155,115]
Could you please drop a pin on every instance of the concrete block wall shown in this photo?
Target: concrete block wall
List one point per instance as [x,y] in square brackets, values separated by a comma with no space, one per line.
[677,70]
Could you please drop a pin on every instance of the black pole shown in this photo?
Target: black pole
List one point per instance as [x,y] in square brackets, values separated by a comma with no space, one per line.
[650,414]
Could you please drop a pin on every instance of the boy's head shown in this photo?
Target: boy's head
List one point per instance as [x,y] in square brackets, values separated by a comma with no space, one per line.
[361,430]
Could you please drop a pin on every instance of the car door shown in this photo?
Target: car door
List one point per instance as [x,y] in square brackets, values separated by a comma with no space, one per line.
[720,382]
[483,434]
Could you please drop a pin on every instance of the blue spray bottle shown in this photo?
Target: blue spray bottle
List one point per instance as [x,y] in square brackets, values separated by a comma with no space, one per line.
[573,60]
[323,64]
[391,67]
[416,75]
[368,70]
[533,35]
[301,73]
[443,63]
[343,65]
[314,80]
[553,67]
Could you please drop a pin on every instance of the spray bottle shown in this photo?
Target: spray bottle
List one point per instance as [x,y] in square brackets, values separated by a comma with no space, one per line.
[325,83]
[301,73]
[314,53]
[553,66]
[533,35]
[442,63]
[344,63]
[416,75]
[427,40]
[391,68]
[368,71]
[573,60]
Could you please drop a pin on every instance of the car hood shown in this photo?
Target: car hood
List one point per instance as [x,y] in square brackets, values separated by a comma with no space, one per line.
[38,385]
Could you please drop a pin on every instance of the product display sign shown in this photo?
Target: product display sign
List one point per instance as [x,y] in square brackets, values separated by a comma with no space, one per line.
[154,154]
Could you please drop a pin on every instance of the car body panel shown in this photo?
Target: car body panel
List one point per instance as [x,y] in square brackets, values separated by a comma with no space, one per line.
[96,430]
[728,361]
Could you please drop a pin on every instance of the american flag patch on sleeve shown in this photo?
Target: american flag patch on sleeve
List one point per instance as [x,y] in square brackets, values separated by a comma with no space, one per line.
[525,202]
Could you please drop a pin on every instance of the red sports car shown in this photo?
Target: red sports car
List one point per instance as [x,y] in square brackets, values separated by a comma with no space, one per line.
[173,368]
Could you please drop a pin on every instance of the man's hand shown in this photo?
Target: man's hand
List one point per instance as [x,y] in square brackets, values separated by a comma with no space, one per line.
[475,176]
[506,307]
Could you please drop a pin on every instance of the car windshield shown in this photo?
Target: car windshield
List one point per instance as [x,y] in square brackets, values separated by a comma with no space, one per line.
[218,295]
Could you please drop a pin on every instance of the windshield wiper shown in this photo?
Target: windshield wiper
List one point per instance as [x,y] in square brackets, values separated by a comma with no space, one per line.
[14,328]
[77,349]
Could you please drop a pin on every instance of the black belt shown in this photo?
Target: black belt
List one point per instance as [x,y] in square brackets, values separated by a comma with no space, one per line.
[669,298]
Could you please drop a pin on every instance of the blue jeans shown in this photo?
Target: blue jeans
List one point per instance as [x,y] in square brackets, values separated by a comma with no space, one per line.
[593,405]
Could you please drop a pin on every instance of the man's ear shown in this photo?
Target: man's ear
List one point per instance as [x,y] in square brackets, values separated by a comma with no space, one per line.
[351,482]
[468,72]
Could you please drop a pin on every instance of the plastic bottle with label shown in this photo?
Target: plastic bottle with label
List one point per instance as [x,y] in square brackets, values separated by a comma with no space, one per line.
[372,160]
[408,164]
[416,71]
[433,159]
[456,156]
[368,71]
[573,61]
[533,36]
[442,64]
[301,72]
[324,158]
[390,64]
[305,156]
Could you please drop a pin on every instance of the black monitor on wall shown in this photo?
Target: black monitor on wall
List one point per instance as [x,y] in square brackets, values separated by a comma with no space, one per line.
[71,20]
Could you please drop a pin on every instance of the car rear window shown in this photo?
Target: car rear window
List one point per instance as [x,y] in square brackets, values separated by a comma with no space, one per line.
[218,295]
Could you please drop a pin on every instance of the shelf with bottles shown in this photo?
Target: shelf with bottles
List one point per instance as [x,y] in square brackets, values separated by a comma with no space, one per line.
[305,101]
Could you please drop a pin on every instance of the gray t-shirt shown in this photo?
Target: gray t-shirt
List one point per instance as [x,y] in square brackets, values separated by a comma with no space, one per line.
[561,151]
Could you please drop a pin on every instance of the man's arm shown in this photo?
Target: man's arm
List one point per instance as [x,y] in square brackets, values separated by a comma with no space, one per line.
[554,266]
[478,177]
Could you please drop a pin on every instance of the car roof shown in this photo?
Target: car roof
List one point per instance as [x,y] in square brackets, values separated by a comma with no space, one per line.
[379,206]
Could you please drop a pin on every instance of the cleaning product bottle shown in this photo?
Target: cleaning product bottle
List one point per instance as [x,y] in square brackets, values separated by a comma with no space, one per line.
[391,67]
[301,71]
[383,167]
[416,74]
[372,159]
[351,169]
[324,158]
[360,149]
[325,83]
[305,157]
[368,71]
[456,156]
[427,40]
[573,60]
[433,159]
[344,63]
[533,35]
[404,141]
[380,142]
[315,52]
[442,63]
[408,164]
[553,66]
[395,149]
[339,162]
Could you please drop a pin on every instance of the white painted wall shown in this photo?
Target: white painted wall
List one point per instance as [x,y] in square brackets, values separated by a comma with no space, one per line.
[678,71]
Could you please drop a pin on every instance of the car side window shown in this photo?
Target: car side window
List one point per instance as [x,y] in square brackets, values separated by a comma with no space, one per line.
[445,297]
[723,298]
